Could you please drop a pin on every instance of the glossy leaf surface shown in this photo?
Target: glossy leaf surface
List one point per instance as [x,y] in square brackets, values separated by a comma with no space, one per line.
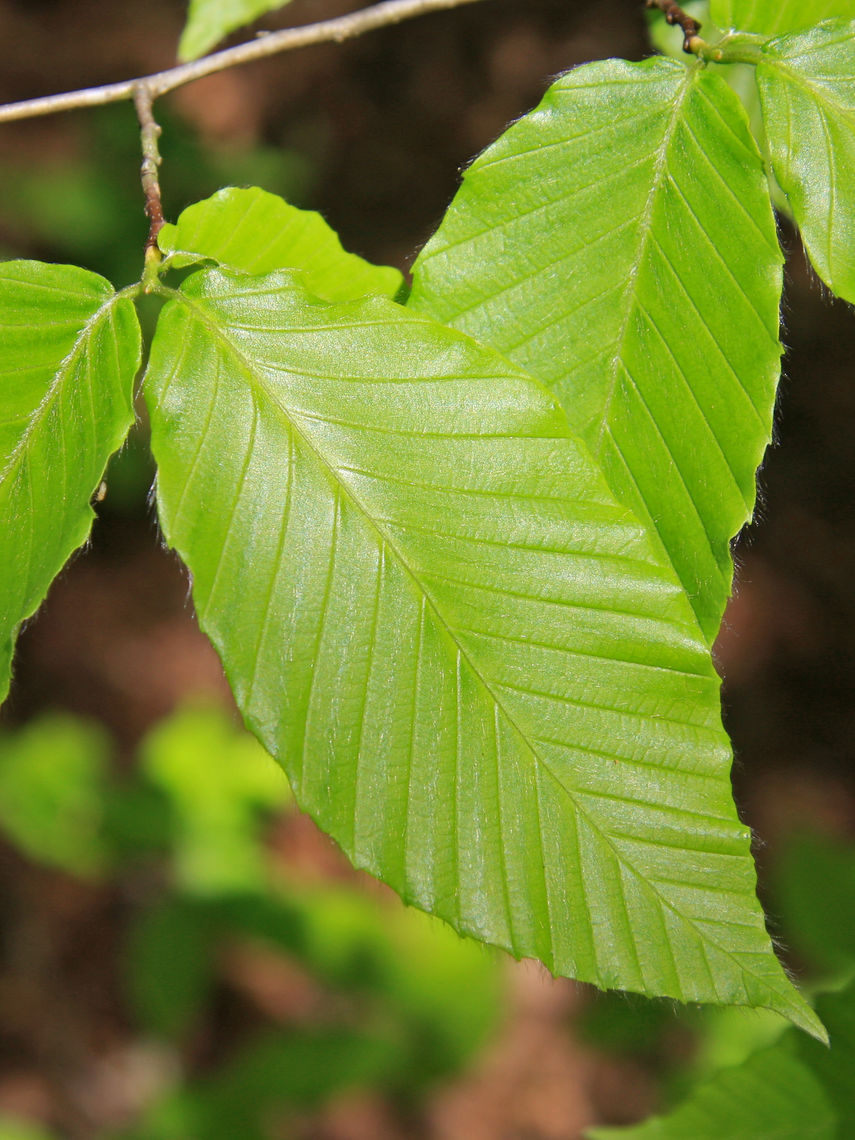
[793,1090]
[477,673]
[70,350]
[807,92]
[777,17]
[256,232]
[618,243]
[209,21]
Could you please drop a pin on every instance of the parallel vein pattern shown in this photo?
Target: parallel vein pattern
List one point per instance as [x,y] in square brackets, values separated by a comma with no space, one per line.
[807,92]
[618,244]
[466,654]
[70,352]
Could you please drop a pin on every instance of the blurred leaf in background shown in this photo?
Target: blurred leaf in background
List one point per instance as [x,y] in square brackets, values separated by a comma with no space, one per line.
[339,987]
[792,1090]
[52,789]
[98,218]
[814,894]
[218,780]
[13,1129]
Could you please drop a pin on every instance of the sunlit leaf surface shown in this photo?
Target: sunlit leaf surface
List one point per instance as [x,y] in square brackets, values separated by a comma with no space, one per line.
[618,243]
[256,232]
[478,674]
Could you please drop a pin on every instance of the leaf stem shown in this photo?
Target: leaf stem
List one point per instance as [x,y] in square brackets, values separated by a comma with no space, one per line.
[674,14]
[159,83]
[149,134]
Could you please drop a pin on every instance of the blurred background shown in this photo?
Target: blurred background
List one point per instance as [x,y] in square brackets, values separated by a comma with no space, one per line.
[182,955]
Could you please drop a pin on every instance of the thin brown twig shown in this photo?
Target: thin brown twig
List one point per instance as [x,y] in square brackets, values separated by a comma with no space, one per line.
[674,14]
[337,31]
[149,134]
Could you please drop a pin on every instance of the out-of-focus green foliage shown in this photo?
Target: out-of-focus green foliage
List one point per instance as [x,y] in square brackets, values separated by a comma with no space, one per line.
[815,897]
[97,221]
[15,1129]
[52,793]
[216,778]
[796,1089]
[404,1000]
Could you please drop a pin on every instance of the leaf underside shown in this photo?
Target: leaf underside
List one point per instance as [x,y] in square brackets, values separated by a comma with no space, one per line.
[808,99]
[618,244]
[71,349]
[468,656]
[209,21]
[255,232]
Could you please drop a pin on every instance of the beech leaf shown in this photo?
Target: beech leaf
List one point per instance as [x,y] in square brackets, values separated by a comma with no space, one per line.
[777,17]
[256,232]
[807,93]
[476,671]
[71,348]
[618,243]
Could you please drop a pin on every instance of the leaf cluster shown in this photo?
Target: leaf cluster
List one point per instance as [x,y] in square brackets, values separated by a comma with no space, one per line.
[464,557]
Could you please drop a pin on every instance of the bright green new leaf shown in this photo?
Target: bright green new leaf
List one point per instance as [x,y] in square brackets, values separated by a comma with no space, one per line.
[777,17]
[793,1090]
[210,21]
[618,243]
[70,350]
[807,92]
[477,673]
[256,232]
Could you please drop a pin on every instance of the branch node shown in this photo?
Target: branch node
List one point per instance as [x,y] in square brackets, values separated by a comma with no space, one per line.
[674,14]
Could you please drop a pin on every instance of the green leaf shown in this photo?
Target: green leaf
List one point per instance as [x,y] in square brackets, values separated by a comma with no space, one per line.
[169,966]
[477,674]
[18,1128]
[256,232]
[793,1090]
[52,793]
[777,17]
[618,243]
[773,1096]
[71,348]
[808,98]
[814,896]
[210,21]
[218,780]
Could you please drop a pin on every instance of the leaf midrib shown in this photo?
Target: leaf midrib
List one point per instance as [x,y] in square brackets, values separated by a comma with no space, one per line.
[645,230]
[258,382]
[818,90]
[61,375]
